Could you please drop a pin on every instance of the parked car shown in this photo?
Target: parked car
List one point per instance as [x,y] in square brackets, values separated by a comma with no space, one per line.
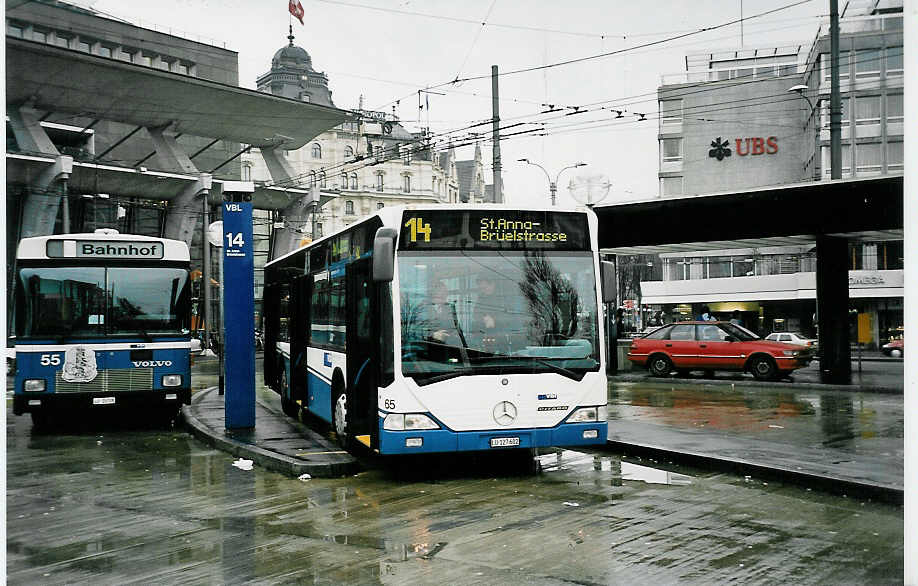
[716,345]
[895,348]
[792,338]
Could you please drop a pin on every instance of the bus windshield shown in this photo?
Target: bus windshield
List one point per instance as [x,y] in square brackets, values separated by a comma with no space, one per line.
[485,312]
[100,301]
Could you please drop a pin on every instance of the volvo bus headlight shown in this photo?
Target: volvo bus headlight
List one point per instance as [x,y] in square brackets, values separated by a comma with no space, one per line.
[404,421]
[172,380]
[589,415]
[34,385]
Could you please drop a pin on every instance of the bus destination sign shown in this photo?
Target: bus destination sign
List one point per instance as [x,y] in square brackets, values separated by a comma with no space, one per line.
[107,249]
[493,230]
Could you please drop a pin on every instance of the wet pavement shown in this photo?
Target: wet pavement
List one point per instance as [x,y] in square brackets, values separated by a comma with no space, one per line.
[116,501]
[112,501]
[846,441]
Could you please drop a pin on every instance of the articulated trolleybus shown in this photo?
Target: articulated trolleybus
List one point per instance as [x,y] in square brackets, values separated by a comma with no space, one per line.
[101,319]
[444,329]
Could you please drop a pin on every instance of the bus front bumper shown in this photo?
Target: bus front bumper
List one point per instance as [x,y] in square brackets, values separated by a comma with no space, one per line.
[444,440]
[37,402]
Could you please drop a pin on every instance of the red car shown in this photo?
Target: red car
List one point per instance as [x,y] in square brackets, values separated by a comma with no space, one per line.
[895,348]
[715,345]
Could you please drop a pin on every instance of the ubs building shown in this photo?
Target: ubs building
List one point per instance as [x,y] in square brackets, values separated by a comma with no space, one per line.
[754,118]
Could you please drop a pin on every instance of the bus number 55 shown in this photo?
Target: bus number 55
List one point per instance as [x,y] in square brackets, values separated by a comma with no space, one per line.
[50,359]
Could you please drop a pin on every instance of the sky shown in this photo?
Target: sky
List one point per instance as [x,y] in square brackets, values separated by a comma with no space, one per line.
[388,50]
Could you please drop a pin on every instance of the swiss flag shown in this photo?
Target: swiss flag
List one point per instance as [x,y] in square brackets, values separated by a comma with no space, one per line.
[296,9]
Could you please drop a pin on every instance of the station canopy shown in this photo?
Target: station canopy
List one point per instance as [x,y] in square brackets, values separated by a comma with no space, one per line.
[60,80]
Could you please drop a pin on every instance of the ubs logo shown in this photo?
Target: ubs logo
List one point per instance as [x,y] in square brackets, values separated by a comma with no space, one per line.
[720,148]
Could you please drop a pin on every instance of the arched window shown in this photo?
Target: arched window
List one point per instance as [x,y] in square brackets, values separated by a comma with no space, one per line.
[322,182]
[316,151]
[349,208]
[353,180]
[348,152]
[406,184]
[311,182]
[380,184]
[344,181]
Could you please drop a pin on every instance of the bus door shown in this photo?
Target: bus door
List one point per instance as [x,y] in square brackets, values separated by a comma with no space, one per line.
[271,321]
[362,352]
[299,327]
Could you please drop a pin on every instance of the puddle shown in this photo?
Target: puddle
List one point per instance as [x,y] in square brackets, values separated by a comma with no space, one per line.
[579,461]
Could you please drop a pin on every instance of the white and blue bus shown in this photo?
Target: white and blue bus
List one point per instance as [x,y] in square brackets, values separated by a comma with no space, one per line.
[444,328]
[101,319]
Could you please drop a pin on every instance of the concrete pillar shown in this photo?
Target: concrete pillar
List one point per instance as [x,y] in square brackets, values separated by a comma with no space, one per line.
[170,154]
[44,199]
[296,215]
[184,212]
[43,202]
[297,223]
[832,310]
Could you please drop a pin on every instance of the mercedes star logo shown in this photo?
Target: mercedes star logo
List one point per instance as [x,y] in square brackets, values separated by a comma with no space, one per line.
[504,413]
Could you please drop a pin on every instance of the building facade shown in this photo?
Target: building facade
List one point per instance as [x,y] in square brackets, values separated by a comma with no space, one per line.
[359,167]
[760,117]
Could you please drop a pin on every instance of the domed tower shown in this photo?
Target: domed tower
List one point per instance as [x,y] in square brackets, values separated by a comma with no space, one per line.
[292,76]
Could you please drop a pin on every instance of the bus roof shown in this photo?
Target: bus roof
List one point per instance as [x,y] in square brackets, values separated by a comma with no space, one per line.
[108,245]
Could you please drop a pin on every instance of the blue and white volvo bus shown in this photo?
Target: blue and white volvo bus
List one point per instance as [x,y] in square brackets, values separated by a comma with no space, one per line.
[444,329]
[101,320]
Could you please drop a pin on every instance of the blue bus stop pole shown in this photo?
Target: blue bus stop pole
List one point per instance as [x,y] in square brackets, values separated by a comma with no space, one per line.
[238,305]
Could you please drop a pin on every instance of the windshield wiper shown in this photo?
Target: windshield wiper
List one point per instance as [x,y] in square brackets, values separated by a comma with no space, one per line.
[559,369]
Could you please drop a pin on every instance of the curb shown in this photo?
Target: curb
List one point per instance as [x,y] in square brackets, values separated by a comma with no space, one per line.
[882,492]
[265,458]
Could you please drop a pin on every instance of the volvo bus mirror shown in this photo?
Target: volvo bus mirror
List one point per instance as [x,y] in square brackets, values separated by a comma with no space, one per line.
[384,255]
[607,270]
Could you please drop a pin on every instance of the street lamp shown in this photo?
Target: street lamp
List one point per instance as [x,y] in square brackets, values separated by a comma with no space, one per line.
[799,90]
[552,185]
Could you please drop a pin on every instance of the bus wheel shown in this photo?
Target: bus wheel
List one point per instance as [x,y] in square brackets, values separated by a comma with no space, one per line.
[339,418]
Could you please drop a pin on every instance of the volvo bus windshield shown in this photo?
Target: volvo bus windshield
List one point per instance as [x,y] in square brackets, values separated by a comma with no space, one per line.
[100,301]
[480,312]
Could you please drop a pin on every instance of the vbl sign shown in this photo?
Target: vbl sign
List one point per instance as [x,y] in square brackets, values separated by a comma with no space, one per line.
[744,146]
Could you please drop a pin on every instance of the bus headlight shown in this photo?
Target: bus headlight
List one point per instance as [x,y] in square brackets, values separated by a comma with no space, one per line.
[172,380]
[589,415]
[34,385]
[406,421]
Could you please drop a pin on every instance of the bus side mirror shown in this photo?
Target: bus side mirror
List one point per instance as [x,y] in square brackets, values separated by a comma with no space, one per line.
[607,271]
[384,255]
